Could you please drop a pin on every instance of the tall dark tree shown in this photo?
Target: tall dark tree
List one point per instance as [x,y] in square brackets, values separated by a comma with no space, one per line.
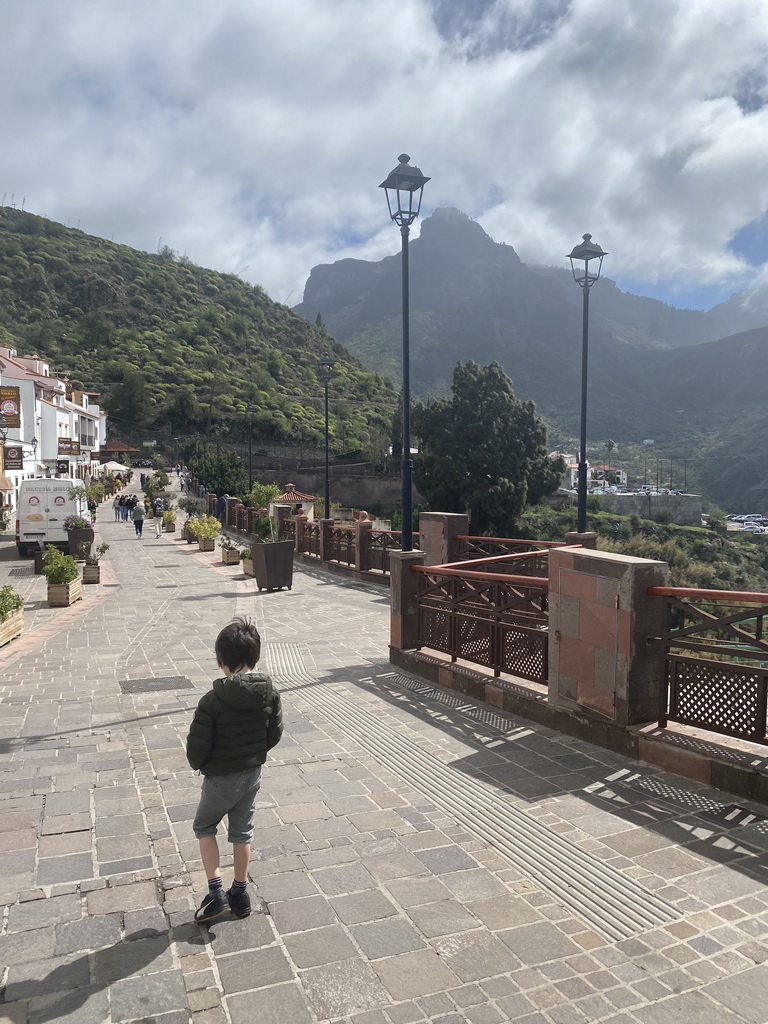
[484,452]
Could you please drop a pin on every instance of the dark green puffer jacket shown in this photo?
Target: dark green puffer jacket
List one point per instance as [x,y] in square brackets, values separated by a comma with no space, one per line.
[235,724]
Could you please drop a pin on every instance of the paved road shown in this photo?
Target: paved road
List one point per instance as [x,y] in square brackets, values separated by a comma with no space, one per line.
[419,858]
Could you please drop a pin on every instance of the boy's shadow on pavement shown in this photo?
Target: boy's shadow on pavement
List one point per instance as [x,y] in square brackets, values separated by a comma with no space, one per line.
[69,986]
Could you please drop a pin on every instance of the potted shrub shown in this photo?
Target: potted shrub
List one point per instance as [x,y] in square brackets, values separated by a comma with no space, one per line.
[169,521]
[60,571]
[247,558]
[11,614]
[190,530]
[92,569]
[207,528]
[79,535]
[230,553]
[194,508]
[272,559]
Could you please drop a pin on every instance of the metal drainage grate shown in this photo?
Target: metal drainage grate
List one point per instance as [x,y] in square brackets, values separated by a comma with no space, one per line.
[155,684]
[732,816]
[22,570]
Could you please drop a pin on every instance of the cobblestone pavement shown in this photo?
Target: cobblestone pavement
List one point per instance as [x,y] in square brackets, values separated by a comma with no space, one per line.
[419,857]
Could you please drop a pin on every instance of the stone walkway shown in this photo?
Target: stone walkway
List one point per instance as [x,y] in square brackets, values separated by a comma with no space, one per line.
[418,857]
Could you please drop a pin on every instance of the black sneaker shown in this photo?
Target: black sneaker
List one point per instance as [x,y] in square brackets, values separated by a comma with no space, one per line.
[239,903]
[214,905]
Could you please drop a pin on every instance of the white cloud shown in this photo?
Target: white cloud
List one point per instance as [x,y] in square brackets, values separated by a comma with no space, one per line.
[254,133]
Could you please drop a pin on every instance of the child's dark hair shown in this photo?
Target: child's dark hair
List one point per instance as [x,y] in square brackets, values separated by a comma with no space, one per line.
[238,645]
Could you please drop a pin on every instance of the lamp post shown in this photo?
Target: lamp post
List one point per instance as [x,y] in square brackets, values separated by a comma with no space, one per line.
[249,410]
[584,278]
[403,188]
[326,365]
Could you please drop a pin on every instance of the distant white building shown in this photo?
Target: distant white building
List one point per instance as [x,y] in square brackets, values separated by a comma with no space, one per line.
[597,476]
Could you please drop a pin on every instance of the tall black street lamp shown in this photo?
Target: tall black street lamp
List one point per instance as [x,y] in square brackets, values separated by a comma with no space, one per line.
[249,410]
[403,188]
[584,278]
[326,366]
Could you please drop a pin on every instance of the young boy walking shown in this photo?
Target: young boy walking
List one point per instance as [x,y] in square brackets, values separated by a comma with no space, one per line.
[235,724]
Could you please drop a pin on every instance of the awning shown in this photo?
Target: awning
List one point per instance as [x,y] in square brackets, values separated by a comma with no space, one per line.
[6,484]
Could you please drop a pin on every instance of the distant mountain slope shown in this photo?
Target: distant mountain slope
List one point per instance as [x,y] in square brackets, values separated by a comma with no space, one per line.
[175,347]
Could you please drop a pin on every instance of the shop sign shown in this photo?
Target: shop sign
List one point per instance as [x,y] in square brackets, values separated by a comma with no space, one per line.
[68,446]
[13,458]
[10,407]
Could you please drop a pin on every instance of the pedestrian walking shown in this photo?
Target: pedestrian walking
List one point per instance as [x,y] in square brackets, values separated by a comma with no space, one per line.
[116,507]
[220,508]
[234,726]
[158,507]
[138,518]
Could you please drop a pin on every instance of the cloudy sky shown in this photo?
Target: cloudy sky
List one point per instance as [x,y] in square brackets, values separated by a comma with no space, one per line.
[252,134]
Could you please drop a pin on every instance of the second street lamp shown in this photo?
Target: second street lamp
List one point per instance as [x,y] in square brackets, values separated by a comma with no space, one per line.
[326,367]
[584,278]
[403,188]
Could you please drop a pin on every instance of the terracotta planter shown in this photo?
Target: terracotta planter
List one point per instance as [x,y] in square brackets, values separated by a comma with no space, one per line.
[77,537]
[206,544]
[91,574]
[11,626]
[61,595]
[248,566]
[230,556]
[273,565]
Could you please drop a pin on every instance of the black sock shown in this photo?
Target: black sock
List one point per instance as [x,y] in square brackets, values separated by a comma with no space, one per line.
[214,884]
[238,888]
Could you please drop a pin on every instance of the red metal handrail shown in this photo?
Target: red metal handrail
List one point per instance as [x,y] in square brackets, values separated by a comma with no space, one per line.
[441,570]
[745,596]
[513,540]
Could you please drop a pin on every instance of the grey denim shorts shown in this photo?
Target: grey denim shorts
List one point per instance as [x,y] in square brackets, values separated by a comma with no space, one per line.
[232,795]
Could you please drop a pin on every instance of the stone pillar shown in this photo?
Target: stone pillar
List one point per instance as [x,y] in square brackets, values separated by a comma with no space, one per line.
[436,533]
[325,539]
[587,540]
[362,536]
[599,617]
[403,586]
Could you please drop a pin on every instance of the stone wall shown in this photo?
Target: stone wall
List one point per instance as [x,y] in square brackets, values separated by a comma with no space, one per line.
[683,509]
[351,489]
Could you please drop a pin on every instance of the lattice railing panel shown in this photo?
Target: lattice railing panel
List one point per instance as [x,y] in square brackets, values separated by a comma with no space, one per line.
[729,699]
[342,545]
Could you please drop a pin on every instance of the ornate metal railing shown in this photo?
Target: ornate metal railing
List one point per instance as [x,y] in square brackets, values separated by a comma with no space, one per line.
[521,563]
[288,529]
[716,661]
[312,538]
[492,619]
[471,548]
[378,545]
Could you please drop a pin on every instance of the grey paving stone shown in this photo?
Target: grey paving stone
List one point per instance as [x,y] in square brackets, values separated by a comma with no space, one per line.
[504,912]
[275,1005]
[286,886]
[688,1008]
[67,803]
[88,1005]
[477,884]
[338,989]
[240,972]
[743,993]
[65,869]
[135,896]
[346,878]
[91,933]
[411,975]
[362,906]
[132,957]
[320,946]
[56,824]
[159,993]
[412,892]
[43,977]
[386,938]
[233,936]
[39,913]
[395,865]
[444,918]
[443,859]
[21,947]
[297,915]
[473,956]
[538,943]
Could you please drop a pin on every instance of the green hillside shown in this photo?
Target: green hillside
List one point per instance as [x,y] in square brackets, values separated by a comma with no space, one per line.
[176,349]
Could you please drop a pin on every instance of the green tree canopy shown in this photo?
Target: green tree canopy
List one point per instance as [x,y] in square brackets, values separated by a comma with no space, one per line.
[484,452]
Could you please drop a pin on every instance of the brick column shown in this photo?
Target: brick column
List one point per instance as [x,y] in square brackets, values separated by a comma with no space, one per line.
[599,618]
[362,537]
[436,533]
[403,586]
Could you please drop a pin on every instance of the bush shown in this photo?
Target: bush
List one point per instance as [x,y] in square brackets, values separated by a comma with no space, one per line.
[58,567]
[9,601]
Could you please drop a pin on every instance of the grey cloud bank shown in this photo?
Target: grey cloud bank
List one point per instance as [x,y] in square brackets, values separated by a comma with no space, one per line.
[252,134]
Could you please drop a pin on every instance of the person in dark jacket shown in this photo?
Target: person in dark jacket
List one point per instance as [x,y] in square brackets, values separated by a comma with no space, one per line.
[235,724]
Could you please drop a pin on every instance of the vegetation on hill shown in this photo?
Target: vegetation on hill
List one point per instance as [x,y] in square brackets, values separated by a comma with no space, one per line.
[174,348]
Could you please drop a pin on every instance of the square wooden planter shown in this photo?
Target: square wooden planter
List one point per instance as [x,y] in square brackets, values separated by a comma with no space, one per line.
[61,595]
[248,566]
[170,527]
[76,538]
[273,564]
[91,574]
[11,626]
[230,556]
[206,544]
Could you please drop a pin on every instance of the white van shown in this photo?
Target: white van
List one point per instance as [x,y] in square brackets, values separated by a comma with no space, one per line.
[43,505]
